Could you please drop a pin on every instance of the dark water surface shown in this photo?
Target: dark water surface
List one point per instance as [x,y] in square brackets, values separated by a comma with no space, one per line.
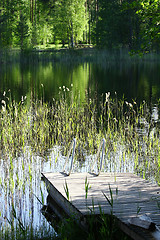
[139,81]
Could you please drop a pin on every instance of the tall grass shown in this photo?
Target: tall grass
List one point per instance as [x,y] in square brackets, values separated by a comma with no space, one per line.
[29,130]
[130,130]
[102,56]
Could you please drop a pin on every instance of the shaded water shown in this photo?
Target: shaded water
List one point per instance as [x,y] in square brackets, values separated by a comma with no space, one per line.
[20,176]
[133,80]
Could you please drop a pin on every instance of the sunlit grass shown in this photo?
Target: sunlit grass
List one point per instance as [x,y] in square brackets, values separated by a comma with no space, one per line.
[29,130]
[128,128]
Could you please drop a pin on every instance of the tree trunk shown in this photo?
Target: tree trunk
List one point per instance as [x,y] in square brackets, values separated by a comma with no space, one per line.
[72,42]
[35,20]
[96,13]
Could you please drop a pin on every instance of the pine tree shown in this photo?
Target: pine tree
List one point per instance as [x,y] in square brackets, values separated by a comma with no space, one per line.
[22,31]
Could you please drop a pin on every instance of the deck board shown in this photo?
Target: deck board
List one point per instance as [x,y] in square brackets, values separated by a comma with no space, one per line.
[136,196]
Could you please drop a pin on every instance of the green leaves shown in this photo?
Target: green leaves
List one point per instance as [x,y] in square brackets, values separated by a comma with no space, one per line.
[66,190]
[110,201]
[86,187]
[150,21]
[106,23]
[69,20]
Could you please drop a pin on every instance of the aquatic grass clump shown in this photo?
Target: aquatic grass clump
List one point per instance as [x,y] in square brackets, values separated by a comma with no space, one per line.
[21,197]
[28,233]
[102,56]
[31,132]
[128,129]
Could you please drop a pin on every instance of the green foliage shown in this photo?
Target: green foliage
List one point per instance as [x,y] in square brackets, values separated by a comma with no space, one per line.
[99,228]
[28,234]
[6,23]
[86,188]
[66,190]
[41,126]
[105,23]
[3,19]
[69,20]
[128,23]
[108,26]
[150,24]
[111,197]
[117,24]
[22,31]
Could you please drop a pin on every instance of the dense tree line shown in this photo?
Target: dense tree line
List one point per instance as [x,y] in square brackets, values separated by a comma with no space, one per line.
[134,24]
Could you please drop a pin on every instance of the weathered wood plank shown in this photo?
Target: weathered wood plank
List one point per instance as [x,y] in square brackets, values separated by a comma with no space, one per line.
[132,196]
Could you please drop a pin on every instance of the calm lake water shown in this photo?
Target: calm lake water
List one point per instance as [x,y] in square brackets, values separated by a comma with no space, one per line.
[138,81]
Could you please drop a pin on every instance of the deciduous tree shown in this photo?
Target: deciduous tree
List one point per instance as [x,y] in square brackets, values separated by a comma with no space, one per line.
[69,20]
[149,13]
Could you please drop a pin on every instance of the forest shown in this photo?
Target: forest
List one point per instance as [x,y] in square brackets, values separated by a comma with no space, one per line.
[109,24]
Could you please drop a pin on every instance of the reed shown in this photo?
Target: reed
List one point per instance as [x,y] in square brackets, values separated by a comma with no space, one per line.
[98,227]
[29,234]
[101,56]
[128,128]
[33,134]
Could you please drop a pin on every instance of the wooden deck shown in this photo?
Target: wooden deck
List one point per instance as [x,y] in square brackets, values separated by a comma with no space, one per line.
[132,197]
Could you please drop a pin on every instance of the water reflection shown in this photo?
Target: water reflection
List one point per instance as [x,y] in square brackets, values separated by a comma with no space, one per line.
[22,188]
[133,80]
[20,177]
